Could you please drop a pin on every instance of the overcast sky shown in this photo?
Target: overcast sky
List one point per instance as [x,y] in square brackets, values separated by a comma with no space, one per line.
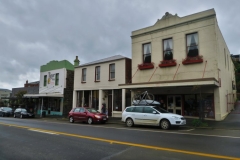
[35,32]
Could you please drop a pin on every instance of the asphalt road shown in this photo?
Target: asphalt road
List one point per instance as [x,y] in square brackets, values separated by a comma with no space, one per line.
[37,139]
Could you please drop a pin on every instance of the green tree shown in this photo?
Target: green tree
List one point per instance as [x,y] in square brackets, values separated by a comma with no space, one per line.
[19,96]
[237,74]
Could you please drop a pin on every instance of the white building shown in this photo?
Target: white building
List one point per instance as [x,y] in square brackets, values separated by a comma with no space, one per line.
[97,82]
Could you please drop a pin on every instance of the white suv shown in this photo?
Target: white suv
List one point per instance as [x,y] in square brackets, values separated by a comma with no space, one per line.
[151,115]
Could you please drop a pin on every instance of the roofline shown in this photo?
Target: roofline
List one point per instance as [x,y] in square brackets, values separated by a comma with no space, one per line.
[87,64]
[175,25]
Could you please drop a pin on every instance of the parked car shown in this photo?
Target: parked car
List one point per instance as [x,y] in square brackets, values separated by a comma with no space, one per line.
[6,111]
[151,115]
[22,113]
[89,115]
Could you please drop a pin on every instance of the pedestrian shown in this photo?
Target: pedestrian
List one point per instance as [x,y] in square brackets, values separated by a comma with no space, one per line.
[162,104]
[103,108]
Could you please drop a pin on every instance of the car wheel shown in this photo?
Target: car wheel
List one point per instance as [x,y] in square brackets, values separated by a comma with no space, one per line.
[165,124]
[14,115]
[90,120]
[103,122]
[129,122]
[2,114]
[71,120]
[21,116]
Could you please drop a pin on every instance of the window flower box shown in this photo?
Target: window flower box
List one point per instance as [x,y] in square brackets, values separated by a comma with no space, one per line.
[168,63]
[192,60]
[145,66]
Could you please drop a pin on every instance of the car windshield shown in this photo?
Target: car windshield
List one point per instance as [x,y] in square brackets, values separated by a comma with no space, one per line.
[160,109]
[92,110]
[24,110]
[7,108]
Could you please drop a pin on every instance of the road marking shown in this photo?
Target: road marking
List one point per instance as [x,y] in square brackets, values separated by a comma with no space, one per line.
[189,130]
[128,143]
[42,131]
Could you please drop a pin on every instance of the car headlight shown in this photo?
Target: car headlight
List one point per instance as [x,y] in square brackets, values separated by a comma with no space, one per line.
[97,116]
[175,117]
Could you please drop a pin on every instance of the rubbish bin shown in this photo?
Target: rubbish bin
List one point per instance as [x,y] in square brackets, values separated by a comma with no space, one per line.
[43,114]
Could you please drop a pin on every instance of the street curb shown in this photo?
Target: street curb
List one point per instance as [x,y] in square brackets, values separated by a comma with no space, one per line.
[122,123]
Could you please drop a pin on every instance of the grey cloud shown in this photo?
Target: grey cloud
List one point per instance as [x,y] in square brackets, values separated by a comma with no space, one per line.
[35,32]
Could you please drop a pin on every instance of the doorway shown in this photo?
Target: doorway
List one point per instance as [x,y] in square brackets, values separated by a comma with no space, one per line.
[174,104]
[110,105]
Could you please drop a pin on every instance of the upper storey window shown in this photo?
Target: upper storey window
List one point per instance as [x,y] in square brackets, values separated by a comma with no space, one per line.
[97,73]
[57,79]
[84,74]
[111,71]
[168,49]
[147,53]
[45,80]
[192,45]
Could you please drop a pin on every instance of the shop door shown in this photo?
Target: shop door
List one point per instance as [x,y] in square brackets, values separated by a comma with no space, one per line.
[109,105]
[174,104]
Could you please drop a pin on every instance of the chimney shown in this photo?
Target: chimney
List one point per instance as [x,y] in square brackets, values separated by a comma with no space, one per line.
[76,62]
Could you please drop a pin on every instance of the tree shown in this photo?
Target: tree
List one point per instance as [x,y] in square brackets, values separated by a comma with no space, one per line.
[19,96]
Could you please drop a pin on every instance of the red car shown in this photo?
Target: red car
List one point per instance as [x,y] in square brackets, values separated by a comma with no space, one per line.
[89,115]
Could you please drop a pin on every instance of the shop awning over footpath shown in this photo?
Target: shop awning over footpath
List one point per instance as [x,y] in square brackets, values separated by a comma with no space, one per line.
[173,83]
[42,95]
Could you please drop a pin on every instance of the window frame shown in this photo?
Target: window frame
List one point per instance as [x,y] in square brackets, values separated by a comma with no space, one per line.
[96,73]
[167,50]
[148,53]
[45,80]
[56,79]
[190,45]
[110,72]
[84,75]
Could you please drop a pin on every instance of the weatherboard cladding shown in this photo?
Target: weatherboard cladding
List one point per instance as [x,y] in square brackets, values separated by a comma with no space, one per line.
[116,57]
[53,65]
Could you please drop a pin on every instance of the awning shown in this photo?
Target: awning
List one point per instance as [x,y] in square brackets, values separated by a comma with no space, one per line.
[173,83]
[42,95]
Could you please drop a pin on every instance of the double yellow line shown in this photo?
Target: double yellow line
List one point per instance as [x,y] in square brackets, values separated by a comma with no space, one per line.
[126,143]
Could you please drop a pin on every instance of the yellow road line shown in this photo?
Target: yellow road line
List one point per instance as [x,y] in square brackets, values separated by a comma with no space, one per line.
[127,143]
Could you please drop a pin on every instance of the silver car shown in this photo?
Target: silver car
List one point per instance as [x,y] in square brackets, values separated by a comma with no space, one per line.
[151,115]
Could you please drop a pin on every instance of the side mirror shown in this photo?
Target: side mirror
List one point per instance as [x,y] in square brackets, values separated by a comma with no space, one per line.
[154,112]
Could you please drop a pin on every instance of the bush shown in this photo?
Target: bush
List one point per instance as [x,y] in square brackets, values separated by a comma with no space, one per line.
[199,123]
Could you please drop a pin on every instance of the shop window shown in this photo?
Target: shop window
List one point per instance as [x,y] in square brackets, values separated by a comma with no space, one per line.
[95,101]
[117,100]
[196,105]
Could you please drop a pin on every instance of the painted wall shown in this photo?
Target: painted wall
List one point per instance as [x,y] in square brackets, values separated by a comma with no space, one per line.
[51,87]
[104,76]
[212,46]
[177,28]
[227,75]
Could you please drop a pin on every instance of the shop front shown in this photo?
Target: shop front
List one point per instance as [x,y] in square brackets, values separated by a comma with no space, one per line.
[191,101]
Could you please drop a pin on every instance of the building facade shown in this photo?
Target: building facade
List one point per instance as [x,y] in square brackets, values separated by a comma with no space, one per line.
[186,64]
[96,83]
[55,88]
[4,96]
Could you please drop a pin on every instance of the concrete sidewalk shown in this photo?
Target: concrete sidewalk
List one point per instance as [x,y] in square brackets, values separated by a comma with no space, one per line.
[231,122]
